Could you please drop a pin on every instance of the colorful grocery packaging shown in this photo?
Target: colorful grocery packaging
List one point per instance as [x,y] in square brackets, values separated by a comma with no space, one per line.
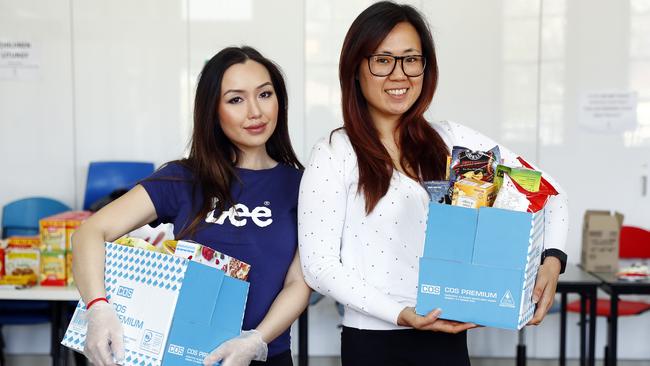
[69,278]
[196,252]
[527,178]
[56,231]
[22,261]
[537,199]
[135,243]
[2,260]
[475,164]
[472,193]
[53,268]
[509,197]
[439,191]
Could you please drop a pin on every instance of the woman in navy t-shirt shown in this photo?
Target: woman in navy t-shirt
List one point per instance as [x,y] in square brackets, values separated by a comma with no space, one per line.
[237,192]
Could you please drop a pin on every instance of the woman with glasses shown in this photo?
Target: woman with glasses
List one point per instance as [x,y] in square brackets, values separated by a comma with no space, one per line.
[362,209]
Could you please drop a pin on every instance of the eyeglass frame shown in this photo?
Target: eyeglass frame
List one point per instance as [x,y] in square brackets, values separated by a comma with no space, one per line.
[401,61]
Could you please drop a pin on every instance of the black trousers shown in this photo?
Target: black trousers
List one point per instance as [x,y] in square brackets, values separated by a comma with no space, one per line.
[407,347]
[282,359]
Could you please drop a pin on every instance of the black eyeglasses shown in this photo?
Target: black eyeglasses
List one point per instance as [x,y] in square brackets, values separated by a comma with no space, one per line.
[384,65]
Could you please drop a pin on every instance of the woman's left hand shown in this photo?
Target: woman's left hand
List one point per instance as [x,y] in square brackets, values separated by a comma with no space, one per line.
[239,351]
[545,285]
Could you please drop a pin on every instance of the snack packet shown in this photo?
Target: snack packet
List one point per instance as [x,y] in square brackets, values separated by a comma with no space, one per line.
[509,197]
[527,178]
[135,242]
[53,270]
[537,199]
[439,191]
[479,165]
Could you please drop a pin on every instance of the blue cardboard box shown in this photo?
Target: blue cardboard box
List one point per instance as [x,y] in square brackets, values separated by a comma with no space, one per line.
[480,265]
[174,311]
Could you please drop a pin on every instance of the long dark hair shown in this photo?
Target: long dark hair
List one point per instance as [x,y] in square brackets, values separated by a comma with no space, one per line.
[421,146]
[211,151]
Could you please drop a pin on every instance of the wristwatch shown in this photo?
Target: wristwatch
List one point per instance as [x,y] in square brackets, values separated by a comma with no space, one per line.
[552,252]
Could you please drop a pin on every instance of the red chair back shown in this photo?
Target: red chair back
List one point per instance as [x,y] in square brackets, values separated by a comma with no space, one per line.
[634,243]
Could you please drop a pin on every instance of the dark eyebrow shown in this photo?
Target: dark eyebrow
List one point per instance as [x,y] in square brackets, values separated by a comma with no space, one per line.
[241,91]
[406,50]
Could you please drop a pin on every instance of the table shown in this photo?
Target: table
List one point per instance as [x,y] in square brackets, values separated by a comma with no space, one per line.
[573,280]
[576,280]
[615,287]
[57,296]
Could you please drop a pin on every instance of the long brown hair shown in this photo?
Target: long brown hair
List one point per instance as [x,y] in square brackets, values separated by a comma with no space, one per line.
[421,146]
[211,152]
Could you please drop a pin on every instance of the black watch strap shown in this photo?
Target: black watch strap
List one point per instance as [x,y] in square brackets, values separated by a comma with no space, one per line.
[552,252]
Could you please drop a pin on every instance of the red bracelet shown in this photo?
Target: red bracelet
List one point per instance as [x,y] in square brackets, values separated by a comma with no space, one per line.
[92,302]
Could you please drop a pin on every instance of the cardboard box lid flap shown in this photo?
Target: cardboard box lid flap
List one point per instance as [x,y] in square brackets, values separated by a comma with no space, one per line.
[231,304]
[198,295]
[450,232]
[502,238]
[602,222]
[594,218]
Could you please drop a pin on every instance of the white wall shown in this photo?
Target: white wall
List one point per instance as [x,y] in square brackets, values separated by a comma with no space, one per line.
[115,80]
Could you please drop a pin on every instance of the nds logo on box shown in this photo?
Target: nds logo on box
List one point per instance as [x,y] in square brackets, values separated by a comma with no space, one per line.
[125,292]
[177,350]
[430,289]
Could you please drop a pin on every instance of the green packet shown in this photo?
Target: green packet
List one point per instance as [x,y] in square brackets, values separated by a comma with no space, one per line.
[528,179]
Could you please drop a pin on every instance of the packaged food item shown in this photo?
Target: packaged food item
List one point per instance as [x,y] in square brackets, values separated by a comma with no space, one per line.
[206,255]
[633,273]
[472,193]
[22,265]
[135,242]
[537,199]
[439,191]
[53,268]
[69,278]
[509,197]
[479,165]
[2,261]
[447,167]
[23,242]
[527,178]
[56,231]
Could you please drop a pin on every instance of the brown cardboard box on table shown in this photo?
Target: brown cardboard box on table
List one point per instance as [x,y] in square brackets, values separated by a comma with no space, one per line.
[600,240]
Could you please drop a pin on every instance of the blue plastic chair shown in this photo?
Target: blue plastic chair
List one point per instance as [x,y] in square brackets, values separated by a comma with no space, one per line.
[21,218]
[106,176]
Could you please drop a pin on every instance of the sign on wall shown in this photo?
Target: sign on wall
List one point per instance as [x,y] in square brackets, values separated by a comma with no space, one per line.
[608,111]
[18,60]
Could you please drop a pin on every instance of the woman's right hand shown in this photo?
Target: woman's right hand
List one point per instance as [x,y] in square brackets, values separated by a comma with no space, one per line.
[104,336]
[409,318]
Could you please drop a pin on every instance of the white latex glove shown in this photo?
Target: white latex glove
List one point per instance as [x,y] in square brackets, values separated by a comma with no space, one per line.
[239,351]
[104,336]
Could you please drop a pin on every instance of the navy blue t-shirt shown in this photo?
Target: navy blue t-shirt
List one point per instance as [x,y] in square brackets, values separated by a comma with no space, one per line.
[260,229]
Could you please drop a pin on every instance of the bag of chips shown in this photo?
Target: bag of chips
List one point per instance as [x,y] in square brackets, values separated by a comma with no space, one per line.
[473,164]
[439,191]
